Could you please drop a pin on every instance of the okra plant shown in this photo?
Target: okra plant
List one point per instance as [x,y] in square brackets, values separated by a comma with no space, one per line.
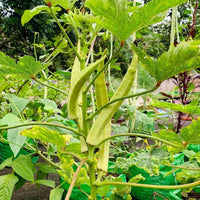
[88,141]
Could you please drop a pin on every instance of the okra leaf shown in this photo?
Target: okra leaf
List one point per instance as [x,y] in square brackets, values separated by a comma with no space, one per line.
[16,140]
[147,160]
[137,178]
[48,183]
[18,104]
[43,134]
[6,60]
[66,4]
[185,56]
[7,183]
[191,133]
[23,166]
[29,14]
[56,194]
[174,139]
[122,19]
[188,176]
[24,69]
[189,109]
[6,163]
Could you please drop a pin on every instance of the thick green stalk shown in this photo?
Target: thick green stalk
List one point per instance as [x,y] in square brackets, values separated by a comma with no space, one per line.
[92,172]
[107,113]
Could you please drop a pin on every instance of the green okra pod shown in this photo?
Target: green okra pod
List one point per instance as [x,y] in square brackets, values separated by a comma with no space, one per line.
[107,113]
[75,89]
[102,99]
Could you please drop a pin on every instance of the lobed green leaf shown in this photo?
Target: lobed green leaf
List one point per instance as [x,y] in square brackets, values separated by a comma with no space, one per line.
[122,19]
[184,57]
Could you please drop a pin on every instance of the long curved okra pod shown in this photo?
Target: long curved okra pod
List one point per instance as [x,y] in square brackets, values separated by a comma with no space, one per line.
[107,113]
[102,99]
[75,89]
[74,77]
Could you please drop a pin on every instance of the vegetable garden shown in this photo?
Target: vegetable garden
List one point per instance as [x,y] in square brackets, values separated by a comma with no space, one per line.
[84,121]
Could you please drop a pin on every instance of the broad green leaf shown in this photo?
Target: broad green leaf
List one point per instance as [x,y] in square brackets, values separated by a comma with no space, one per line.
[188,176]
[189,109]
[45,168]
[173,138]
[137,178]
[82,177]
[6,60]
[16,140]
[23,166]
[56,194]
[24,69]
[147,160]
[7,183]
[48,183]
[29,14]
[191,133]
[185,56]
[46,135]
[50,105]
[6,163]
[66,4]
[122,19]
[18,104]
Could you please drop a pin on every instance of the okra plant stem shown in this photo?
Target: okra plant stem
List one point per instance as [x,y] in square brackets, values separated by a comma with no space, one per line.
[162,187]
[137,135]
[122,98]
[5,127]
[66,36]
[92,171]
[105,66]
[50,86]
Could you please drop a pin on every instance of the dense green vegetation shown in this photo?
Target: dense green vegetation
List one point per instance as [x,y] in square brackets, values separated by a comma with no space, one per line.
[71,73]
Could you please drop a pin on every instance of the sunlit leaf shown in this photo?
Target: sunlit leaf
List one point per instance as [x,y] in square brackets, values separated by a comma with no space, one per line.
[56,194]
[147,160]
[16,140]
[26,67]
[48,183]
[18,104]
[66,4]
[189,109]
[185,56]
[122,19]
[45,135]
[191,133]
[7,183]
[29,14]
[173,138]
[188,176]
[23,166]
